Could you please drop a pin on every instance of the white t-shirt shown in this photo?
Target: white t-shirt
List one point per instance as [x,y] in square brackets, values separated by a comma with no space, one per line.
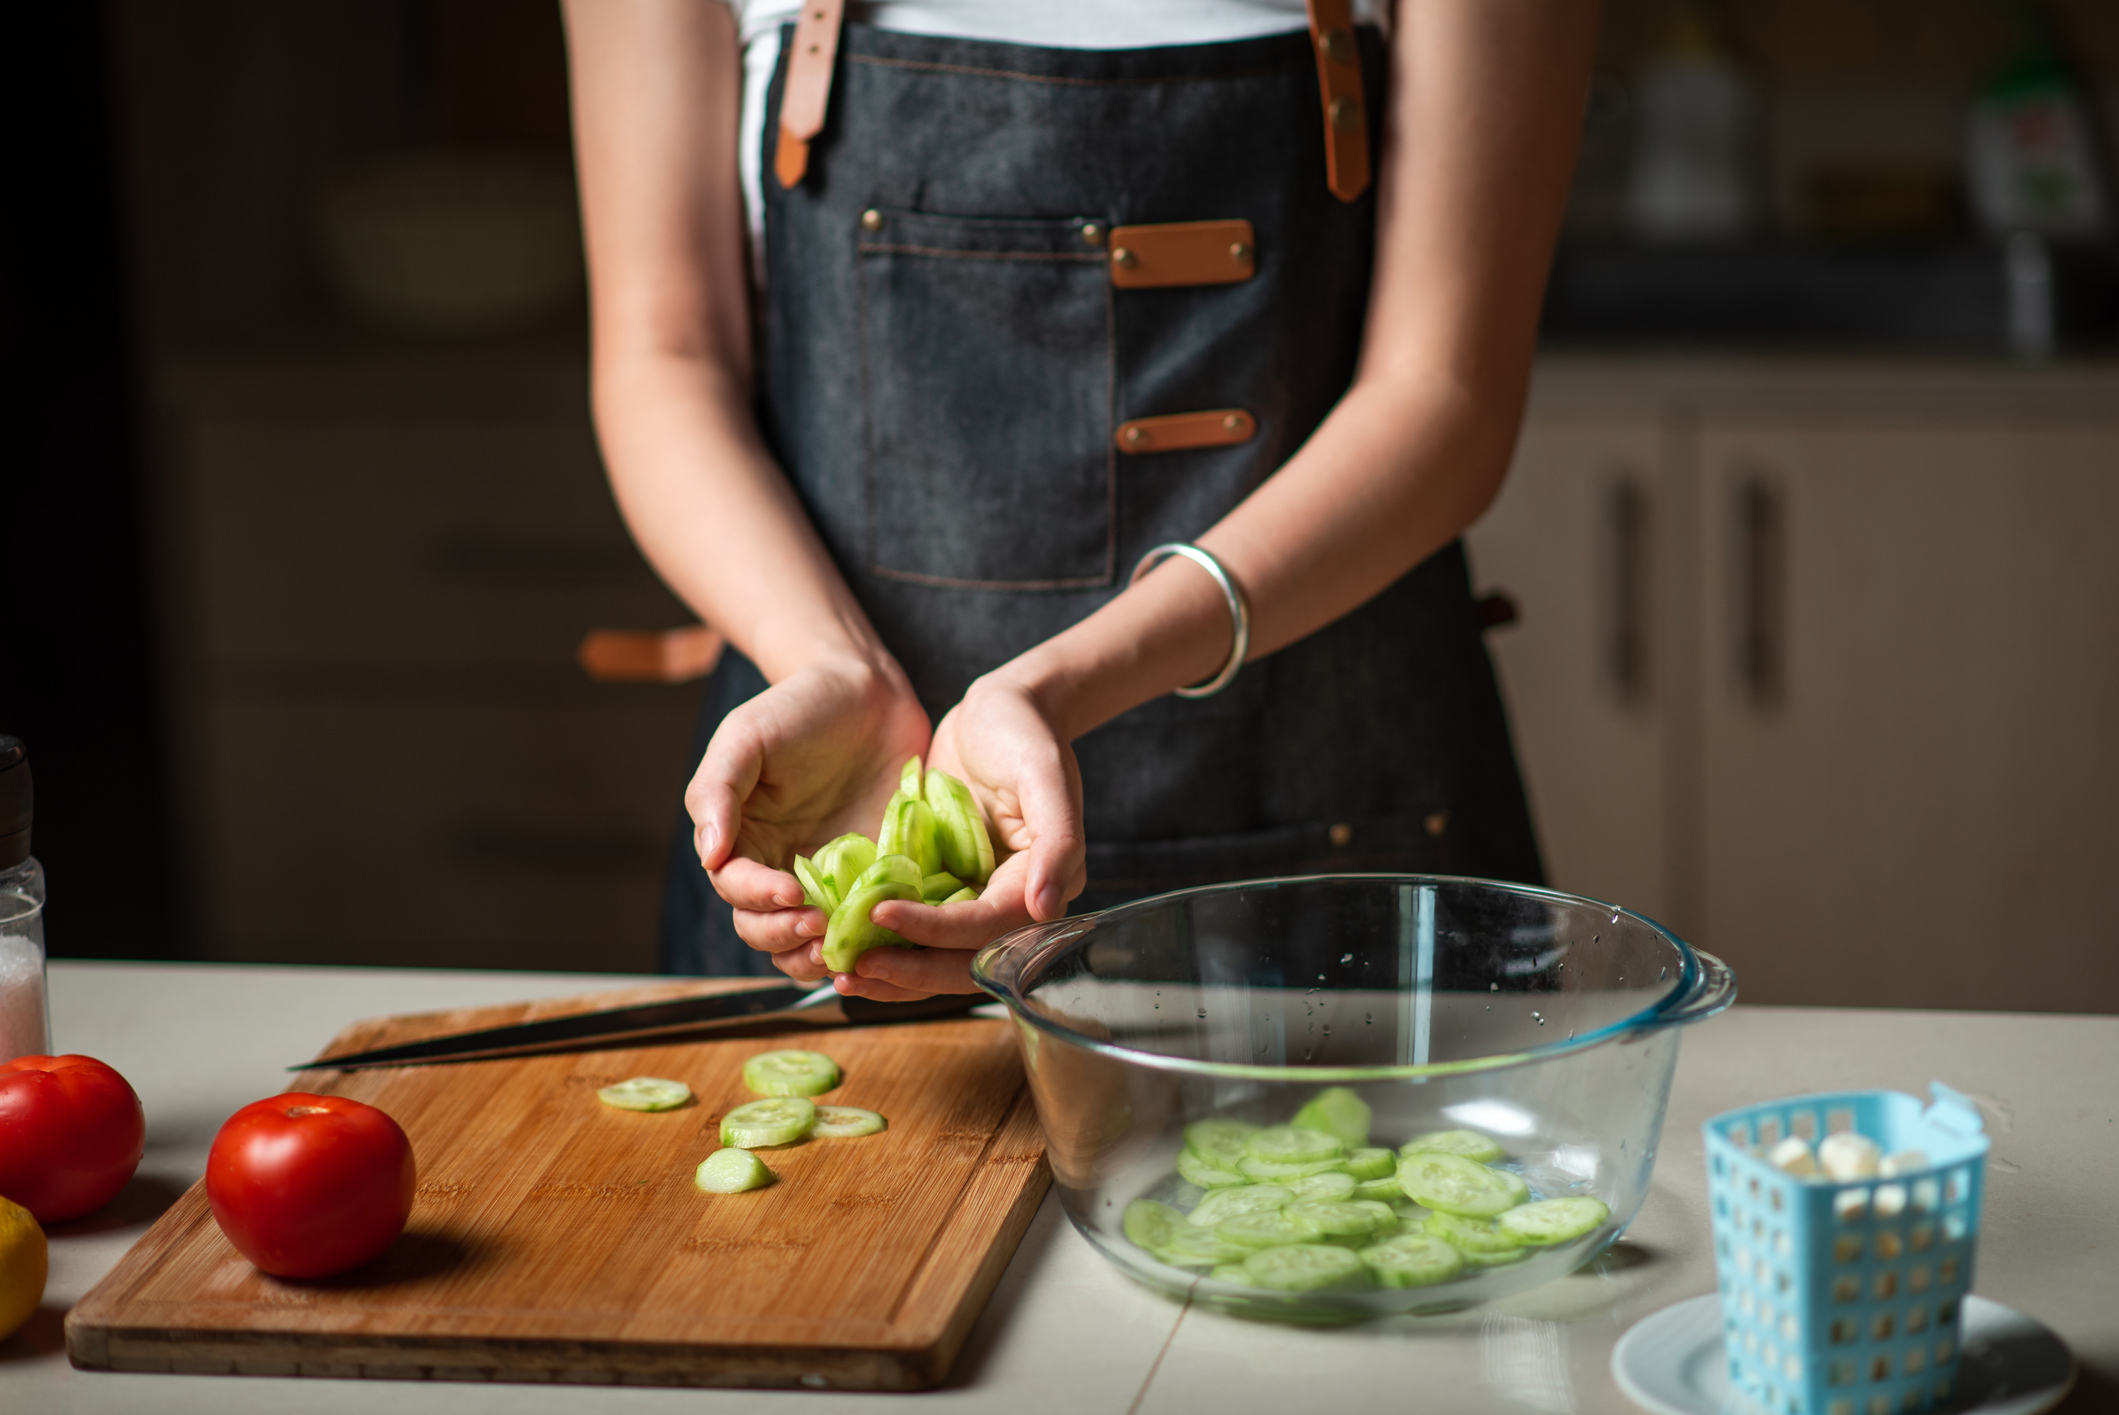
[1051,24]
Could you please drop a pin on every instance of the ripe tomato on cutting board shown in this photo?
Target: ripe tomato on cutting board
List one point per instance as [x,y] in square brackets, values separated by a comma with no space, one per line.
[306,1186]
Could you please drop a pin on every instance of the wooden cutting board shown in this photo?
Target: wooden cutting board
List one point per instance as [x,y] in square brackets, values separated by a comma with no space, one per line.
[557,1239]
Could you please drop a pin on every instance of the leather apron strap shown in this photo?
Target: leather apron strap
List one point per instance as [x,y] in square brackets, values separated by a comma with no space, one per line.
[809,85]
[1346,132]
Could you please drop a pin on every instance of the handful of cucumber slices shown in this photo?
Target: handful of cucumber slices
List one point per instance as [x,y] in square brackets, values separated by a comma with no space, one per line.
[932,848]
[1311,1204]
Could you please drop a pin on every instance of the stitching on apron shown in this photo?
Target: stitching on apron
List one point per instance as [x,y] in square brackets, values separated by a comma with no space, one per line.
[868,412]
[1110,424]
[977,73]
[947,253]
[944,582]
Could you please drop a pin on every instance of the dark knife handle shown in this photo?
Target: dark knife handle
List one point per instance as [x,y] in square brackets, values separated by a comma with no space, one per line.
[867,1012]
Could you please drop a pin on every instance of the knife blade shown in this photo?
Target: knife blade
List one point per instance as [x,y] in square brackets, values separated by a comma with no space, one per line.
[786,1005]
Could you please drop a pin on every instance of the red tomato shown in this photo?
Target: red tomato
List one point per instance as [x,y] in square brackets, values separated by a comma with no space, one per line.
[305,1186]
[71,1134]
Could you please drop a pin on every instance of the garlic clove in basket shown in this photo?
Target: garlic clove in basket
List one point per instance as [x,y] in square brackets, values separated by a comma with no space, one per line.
[1792,1156]
[1847,1157]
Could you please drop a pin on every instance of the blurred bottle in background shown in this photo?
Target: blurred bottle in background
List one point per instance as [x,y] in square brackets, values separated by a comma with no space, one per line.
[25,1028]
[2030,158]
[1694,115]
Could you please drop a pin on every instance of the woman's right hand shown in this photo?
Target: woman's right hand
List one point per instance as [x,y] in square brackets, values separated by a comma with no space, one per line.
[812,757]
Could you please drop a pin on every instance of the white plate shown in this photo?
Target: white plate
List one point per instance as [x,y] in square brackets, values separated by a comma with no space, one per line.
[1671,1362]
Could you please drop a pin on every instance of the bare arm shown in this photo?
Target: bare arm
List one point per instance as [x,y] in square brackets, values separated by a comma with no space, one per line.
[1479,141]
[657,86]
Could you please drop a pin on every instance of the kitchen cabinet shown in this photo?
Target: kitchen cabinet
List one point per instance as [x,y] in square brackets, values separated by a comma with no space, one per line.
[1867,750]
[378,562]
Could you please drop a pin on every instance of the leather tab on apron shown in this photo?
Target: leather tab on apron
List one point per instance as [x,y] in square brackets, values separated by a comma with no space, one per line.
[1346,129]
[1182,253]
[1217,427]
[808,89]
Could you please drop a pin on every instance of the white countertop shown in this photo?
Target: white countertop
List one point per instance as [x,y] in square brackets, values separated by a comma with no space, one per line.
[1064,1331]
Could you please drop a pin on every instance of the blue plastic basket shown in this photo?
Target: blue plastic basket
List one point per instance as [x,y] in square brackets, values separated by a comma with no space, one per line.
[1845,1299]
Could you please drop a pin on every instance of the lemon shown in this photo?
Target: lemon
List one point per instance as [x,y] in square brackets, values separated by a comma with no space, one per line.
[24,1263]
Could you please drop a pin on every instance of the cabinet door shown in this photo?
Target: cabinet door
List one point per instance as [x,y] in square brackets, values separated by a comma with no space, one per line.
[1572,539]
[1911,712]
[459,544]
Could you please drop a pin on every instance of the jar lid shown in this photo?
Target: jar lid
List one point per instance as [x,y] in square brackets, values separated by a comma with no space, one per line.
[15,802]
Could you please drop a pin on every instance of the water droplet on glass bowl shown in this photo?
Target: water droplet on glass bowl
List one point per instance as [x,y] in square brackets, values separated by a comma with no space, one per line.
[1202,1011]
[1541,1019]
[1305,1053]
[1493,987]
[1345,958]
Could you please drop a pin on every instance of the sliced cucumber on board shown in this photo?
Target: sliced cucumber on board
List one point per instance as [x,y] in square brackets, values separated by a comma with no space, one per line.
[790,1073]
[781,1120]
[645,1093]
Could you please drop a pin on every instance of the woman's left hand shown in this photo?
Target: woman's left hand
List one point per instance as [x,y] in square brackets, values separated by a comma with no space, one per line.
[999,741]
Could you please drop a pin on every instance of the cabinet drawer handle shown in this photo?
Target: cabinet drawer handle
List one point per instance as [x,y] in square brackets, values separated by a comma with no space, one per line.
[1758,590]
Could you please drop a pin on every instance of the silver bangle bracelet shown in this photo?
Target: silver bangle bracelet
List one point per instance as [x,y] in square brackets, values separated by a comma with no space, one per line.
[1239,612]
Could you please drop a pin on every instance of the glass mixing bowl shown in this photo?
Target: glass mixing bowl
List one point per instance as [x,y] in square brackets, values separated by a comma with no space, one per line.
[1544,1020]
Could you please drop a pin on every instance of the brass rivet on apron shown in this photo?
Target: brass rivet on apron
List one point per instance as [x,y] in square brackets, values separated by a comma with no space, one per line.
[871,220]
[1342,835]
[1240,253]
[1124,259]
[1346,112]
[1436,822]
[1338,46]
[1135,436]
[1092,234]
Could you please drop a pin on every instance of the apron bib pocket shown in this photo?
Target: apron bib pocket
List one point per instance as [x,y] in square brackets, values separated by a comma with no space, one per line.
[987,383]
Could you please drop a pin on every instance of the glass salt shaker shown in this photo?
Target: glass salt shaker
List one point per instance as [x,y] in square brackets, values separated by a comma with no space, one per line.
[25,1024]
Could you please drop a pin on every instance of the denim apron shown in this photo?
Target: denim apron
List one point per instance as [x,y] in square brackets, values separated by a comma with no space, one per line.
[945,361]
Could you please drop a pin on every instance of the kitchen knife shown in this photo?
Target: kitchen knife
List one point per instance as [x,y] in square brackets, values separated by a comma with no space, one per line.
[790,1005]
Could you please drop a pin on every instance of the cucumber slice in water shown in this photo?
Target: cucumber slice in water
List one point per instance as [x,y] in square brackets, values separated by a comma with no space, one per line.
[846,1122]
[1225,1204]
[1456,1185]
[1468,1143]
[1328,1187]
[1272,1172]
[1275,1228]
[1221,1141]
[1332,1220]
[960,826]
[790,1073]
[1472,1235]
[1231,1272]
[778,1121]
[1303,1268]
[817,890]
[645,1093]
[1150,1225]
[1207,1174]
[1412,1260]
[1366,1163]
[1551,1221]
[1338,1112]
[841,861]
[1293,1144]
[1385,1188]
[1190,1246]
[731,1171]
